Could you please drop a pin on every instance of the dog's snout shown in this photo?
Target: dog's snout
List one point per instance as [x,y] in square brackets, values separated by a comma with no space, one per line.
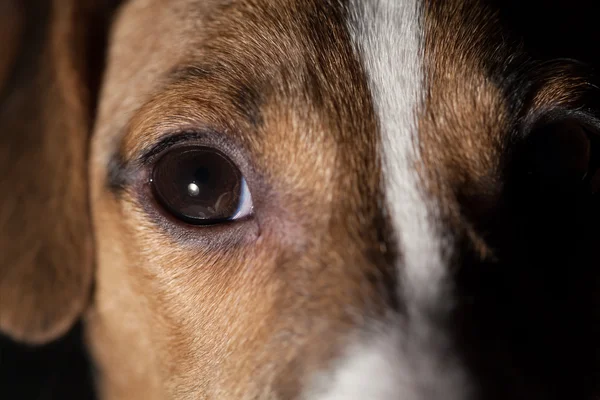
[403,362]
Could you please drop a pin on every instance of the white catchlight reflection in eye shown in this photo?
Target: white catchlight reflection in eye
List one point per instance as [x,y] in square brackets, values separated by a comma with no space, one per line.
[245,206]
[193,189]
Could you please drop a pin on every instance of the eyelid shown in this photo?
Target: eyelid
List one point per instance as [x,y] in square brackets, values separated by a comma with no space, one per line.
[169,141]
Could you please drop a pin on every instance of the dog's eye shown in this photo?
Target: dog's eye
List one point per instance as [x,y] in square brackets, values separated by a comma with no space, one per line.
[200,185]
[563,159]
[561,154]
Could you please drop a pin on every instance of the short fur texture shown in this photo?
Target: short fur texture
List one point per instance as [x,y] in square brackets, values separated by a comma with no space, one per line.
[401,245]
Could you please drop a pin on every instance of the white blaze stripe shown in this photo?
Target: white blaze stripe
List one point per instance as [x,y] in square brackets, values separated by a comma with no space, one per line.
[407,359]
[389,38]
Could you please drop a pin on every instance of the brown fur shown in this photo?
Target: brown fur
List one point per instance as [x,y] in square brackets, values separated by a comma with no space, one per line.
[250,310]
[283,280]
[45,236]
[11,30]
[468,121]
[464,122]
[561,84]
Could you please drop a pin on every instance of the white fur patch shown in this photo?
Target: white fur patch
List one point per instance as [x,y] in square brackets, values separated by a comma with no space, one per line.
[393,366]
[411,358]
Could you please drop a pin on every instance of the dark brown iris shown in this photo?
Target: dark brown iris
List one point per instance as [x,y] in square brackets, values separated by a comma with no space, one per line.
[198,185]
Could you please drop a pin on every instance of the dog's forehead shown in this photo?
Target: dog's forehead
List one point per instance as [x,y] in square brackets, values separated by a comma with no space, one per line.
[366,119]
[368,107]
[326,63]
[442,121]
[282,79]
[395,97]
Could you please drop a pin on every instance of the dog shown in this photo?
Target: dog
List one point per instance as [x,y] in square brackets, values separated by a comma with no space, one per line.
[303,199]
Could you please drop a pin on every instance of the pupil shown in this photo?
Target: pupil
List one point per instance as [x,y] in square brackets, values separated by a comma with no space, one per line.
[202,175]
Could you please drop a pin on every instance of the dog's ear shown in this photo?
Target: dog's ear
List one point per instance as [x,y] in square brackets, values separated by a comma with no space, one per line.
[49,80]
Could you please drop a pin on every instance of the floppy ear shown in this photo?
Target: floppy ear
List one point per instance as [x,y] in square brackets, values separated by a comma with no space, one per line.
[51,72]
